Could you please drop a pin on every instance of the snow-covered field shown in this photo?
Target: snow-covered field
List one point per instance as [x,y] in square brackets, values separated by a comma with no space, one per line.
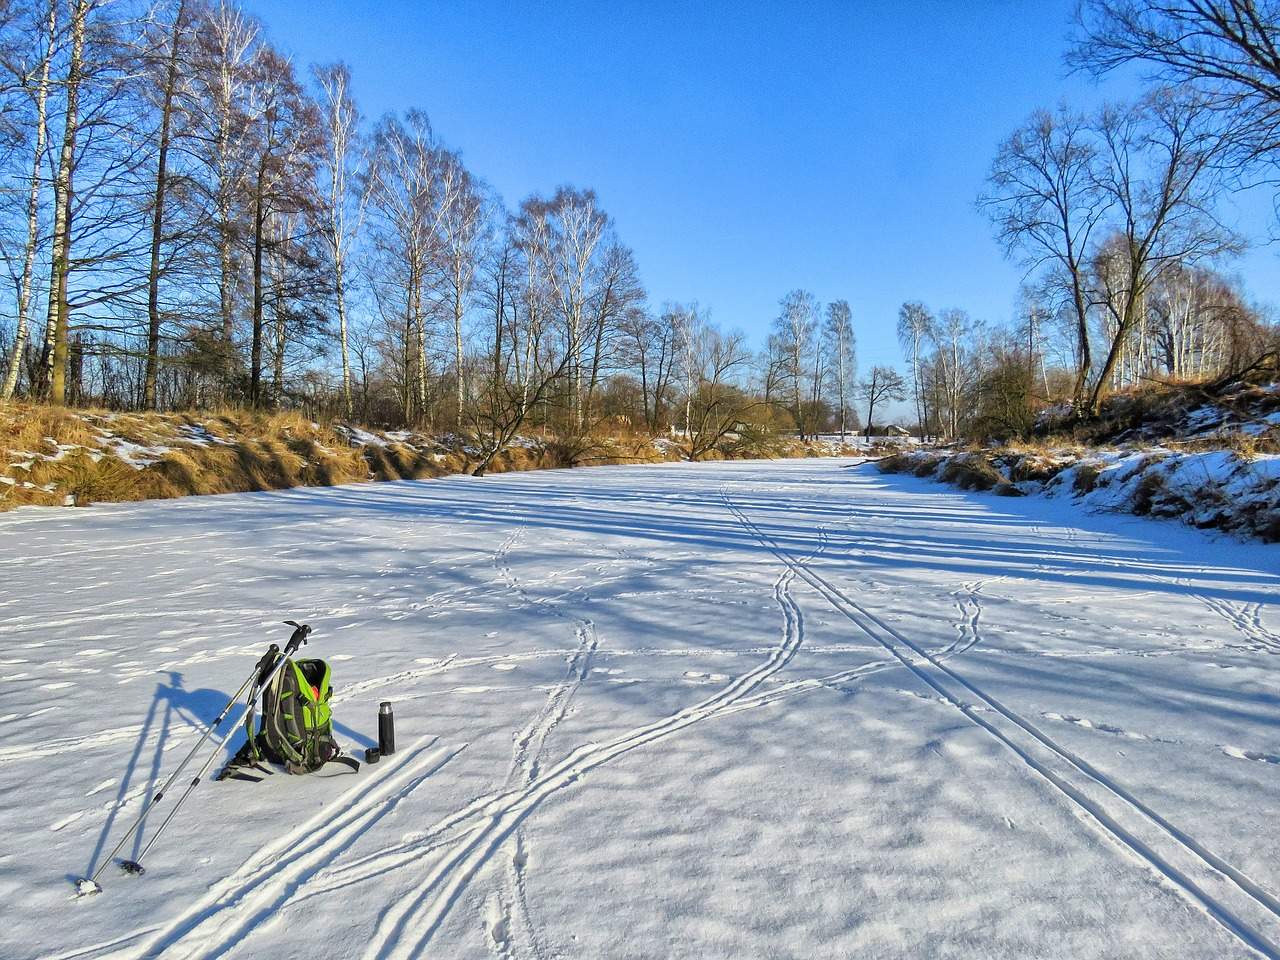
[792,709]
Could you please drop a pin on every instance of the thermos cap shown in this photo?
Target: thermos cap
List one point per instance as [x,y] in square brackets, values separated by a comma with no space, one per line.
[384,706]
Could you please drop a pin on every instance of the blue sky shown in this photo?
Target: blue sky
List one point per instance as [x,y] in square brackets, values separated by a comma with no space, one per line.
[743,149]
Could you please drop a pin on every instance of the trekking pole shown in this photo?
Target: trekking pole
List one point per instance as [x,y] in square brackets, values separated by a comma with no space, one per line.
[263,672]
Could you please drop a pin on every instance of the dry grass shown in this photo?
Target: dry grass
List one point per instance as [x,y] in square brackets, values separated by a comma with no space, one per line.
[233,451]
[27,427]
[919,464]
[1033,467]
[241,451]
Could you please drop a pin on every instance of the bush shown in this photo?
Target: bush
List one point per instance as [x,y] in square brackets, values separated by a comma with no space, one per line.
[896,463]
[1035,468]
[971,472]
[1086,477]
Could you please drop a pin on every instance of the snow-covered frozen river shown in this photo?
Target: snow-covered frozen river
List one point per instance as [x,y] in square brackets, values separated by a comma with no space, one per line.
[744,710]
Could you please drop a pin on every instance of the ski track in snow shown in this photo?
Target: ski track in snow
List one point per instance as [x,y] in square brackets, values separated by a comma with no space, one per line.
[1240,904]
[482,841]
[406,928]
[510,926]
[253,894]
[268,882]
[1243,617]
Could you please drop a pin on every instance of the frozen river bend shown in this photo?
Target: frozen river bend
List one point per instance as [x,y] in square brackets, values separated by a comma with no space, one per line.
[790,709]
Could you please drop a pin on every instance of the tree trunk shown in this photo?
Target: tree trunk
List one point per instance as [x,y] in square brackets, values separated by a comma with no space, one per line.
[421,329]
[1113,356]
[457,351]
[255,359]
[226,264]
[33,211]
[157,218]
[1082,342]
[575,376]
[342,339]
[56,330]
[842,375]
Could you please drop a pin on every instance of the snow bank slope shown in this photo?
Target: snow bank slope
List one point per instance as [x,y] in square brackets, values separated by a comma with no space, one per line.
[735,710]
[1217,489]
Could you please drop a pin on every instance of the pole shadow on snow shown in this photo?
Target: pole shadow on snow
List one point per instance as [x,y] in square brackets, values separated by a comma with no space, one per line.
[171,701]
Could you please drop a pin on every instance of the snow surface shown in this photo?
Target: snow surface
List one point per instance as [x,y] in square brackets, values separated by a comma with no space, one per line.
[786,709]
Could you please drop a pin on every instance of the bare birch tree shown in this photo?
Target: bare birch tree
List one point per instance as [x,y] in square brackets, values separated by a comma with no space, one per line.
[338,170]
[796,326]
[35,80]
[1160,179]
[168,91]
[405,197]
[842,346]
[575,226]
[63,187]
[461,237]
[915,329]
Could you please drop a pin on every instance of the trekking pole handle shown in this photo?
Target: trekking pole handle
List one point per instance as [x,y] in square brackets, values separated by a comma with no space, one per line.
[300,633]
[275,667]
[264,665]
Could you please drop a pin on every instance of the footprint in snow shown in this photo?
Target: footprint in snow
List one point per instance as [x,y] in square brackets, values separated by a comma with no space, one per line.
[1250,755]
[497,925]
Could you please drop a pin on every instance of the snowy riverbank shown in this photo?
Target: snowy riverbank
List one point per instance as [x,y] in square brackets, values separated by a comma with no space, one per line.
[1210,489]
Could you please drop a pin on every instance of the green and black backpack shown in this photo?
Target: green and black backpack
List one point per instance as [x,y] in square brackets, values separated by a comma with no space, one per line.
[296,726]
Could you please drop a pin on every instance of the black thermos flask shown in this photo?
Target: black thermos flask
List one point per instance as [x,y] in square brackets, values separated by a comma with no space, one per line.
[386,729]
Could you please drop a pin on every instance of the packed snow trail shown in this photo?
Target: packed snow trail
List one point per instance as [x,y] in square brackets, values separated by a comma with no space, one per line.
[723,710]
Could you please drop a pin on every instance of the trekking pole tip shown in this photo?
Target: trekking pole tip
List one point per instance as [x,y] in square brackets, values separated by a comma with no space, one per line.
[133,867]
[86,887]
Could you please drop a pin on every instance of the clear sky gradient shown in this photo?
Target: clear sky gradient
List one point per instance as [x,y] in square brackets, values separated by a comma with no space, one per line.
[743,148]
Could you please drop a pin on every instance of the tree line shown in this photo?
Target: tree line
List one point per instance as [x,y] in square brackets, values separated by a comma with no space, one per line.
[1115,214]
[190,221]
